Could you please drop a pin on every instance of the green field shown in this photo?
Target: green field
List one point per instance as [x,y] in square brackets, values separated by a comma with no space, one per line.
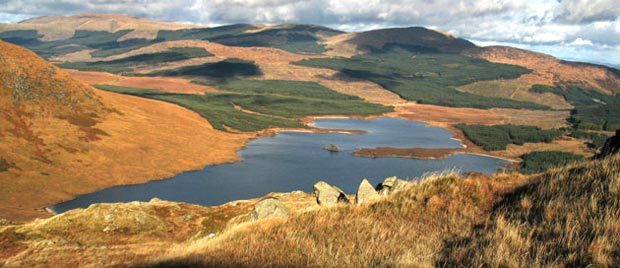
[295,38]
[277,107]
[493,138]
[516,90]
[226,69]
[124,65]
[422,75]
[82,39]
[20,36]
[281,87]
[202,33]
[125,47]
[594,140]
[537,162]
[593,110]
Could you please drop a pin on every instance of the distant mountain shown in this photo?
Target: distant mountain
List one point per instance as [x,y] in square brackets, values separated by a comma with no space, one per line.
[63,27]
[108,37]
[412,36]
[300,38]
[113,34]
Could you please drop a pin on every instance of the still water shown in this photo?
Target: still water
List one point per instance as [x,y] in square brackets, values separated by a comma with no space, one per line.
[295,161]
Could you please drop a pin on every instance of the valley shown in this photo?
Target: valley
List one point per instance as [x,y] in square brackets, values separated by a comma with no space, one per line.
[248,80]
[131,142]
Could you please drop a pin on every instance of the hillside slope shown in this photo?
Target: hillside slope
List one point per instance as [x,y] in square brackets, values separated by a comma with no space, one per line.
[566,217]
[548,70]
[61,138]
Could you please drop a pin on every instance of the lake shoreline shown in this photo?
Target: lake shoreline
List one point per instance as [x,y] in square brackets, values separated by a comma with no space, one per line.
[313,129]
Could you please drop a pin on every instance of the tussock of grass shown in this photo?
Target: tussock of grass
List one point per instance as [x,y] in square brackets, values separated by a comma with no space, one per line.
[568,217]
[403,229]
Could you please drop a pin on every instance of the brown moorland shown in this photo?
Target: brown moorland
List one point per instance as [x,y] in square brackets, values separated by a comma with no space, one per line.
[61,138]
[565,144]
[548,70]
[256,54]
[444,116]
[112,235]
[515,89]
[170,84]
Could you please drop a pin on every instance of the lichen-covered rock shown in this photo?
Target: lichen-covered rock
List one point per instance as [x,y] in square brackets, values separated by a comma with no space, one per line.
[365,192]
[390,185]
[327,195]
[267,208]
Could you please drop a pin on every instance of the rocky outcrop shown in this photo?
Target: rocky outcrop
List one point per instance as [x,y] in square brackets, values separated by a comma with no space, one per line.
[390,185]
[612,146]
[267,208]
[327,195]
[365,192]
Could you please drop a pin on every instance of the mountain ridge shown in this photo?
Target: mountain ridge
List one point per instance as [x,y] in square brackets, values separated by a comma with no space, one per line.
[337,43]
[62,27]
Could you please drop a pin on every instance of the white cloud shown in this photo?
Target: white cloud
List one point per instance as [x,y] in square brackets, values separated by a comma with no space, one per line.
[12,18]
[586,11]
[580,42]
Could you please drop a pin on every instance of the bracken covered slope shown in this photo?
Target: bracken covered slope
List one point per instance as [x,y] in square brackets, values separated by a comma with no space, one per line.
[60,137]
[548,70]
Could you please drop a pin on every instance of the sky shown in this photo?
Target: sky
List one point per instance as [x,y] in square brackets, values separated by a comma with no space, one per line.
[579,30]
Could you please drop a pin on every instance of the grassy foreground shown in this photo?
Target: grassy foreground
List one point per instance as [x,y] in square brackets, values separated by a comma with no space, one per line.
[566,217]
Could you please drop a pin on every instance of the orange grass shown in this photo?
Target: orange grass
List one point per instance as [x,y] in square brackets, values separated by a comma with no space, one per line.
[63,138]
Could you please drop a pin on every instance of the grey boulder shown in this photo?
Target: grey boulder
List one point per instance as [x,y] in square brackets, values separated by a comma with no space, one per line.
[390,185]
[365,192]
[267,208]
[327,195]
